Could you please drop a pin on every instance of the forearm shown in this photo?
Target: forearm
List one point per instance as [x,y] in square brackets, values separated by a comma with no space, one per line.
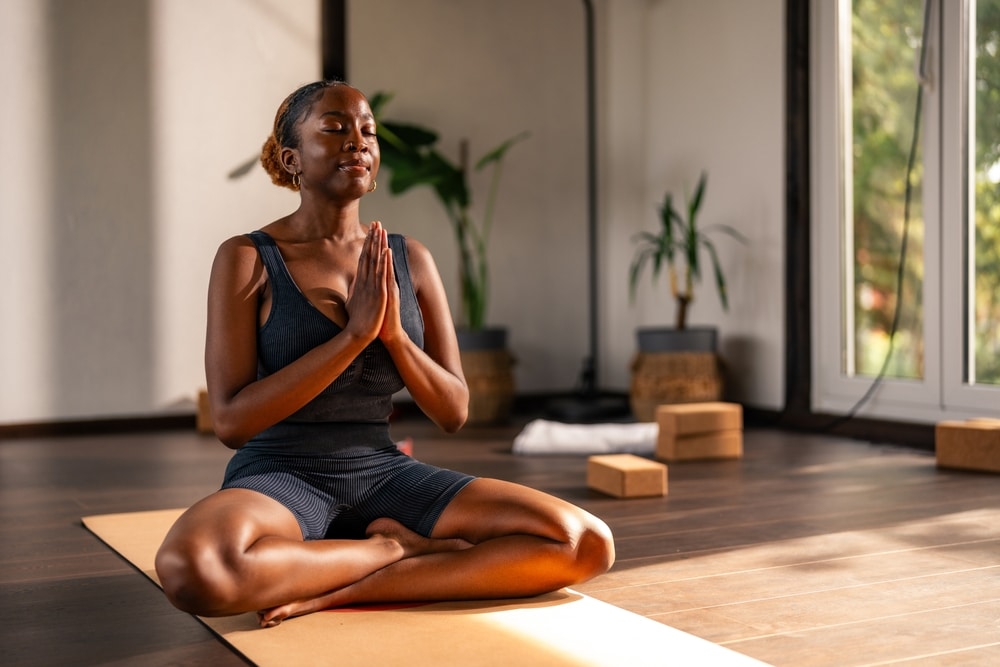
[441,394]
[263,403]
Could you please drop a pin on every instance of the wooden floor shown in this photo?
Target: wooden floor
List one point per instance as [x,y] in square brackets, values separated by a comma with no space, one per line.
[809,551]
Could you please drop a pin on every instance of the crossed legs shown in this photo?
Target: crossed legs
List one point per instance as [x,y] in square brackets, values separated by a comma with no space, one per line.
[238,551]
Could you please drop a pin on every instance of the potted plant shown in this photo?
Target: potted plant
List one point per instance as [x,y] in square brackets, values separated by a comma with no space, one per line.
[678,364]
[410,153]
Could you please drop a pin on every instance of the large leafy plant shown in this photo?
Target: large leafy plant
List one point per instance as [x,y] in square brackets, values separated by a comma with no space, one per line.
[680,236]
[411,155]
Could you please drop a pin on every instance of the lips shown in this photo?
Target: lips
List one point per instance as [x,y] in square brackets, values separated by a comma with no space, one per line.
[355,165]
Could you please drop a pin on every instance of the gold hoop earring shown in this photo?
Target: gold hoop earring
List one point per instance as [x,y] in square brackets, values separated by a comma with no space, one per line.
[296,181]
[371,188]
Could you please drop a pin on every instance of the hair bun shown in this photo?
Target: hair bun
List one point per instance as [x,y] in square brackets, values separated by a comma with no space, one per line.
[272,165]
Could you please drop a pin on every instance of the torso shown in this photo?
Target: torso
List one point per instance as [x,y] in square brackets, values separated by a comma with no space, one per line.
[323,270]
[292,325]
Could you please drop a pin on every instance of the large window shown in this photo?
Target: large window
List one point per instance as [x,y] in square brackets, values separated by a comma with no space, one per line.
[985,153]
[906,207]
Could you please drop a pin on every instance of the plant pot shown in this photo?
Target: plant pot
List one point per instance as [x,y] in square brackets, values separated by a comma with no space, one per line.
[486,338]
[674,366]
[488,366]
[661,339]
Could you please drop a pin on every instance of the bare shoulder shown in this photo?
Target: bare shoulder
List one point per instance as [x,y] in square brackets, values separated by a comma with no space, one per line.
[237,258]
[423,269]
[235,243]
[420,257]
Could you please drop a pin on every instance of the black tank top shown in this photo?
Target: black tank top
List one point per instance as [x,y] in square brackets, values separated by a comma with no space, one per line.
[363,392]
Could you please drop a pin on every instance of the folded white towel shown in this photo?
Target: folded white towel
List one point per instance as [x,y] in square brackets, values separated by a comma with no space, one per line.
[541,436]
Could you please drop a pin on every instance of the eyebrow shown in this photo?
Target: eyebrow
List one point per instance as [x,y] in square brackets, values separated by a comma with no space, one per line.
[341,114]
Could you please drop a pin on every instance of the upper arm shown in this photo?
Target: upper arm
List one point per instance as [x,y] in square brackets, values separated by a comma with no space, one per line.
[235,285]
[440,342]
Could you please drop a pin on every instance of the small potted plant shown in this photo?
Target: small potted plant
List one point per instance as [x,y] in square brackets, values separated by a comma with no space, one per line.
[678,364]
[412,158]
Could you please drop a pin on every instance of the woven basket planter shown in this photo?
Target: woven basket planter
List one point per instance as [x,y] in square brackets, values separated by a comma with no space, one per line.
[673,377]
[489,372]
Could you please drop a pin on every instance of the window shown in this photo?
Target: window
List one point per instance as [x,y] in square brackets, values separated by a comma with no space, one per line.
[906,208]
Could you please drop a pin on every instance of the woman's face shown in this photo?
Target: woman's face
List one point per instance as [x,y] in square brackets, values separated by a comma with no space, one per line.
[338,149]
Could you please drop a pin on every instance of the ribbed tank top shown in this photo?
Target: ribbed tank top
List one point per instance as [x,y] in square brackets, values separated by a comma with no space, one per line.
[363,392]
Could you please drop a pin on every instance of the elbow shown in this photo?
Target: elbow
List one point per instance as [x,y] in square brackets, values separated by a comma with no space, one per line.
[456,417]
[454,420]
[226,426]
[229,433]
[449,414]
[232,440]
[233,443]
[454,424]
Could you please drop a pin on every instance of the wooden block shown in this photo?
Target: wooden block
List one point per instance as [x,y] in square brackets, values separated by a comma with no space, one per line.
[626,476]
[968,445]
[203,417]
[691,431]
[717,445]
[684,419]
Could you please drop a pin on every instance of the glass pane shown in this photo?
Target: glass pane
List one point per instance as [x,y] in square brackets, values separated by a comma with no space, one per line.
[986,304]
[885,41]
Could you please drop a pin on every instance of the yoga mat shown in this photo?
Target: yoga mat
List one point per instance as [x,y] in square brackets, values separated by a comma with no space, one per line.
[560,629]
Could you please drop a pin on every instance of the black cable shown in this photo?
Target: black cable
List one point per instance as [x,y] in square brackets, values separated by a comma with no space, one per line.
[904,242]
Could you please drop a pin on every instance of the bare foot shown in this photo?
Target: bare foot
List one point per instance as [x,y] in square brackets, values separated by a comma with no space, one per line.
[413,543]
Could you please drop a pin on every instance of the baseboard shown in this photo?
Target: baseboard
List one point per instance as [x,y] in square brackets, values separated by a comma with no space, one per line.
[528,406]
[907,434]
[101,426]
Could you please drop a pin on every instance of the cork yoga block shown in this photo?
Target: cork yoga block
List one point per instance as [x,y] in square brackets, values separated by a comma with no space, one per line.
[968,445]
[692,431]
[626,476]
[203,416]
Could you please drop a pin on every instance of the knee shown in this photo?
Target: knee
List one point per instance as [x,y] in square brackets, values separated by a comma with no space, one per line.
[593,549]
[596,548]
[194,579]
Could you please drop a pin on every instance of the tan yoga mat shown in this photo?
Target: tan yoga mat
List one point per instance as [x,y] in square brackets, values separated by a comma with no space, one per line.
[561,629]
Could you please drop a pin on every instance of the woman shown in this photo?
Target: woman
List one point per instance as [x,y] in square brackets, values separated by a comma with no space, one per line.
[313,323]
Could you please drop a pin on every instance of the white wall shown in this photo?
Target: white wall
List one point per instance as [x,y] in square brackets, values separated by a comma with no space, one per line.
[711,97]
[684,85]
[122,119]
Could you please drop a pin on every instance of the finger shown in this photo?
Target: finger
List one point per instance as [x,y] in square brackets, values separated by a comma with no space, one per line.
[382,247]
[390,268]
[380,265]
[365,260]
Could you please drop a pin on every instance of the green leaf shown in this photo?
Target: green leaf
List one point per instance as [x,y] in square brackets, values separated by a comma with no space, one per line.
[497,153]
[677,234]
[413,136]
[378,101]
[720,281]
[695,202]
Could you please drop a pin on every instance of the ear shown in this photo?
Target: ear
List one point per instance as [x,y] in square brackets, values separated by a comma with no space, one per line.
[289,158]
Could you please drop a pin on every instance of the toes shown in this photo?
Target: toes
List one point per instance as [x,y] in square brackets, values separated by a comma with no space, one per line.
[269,618]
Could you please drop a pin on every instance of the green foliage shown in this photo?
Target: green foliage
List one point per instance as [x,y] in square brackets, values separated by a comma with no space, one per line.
[885,46]
[410,154]
[885,42]
[679,235]
[987,192]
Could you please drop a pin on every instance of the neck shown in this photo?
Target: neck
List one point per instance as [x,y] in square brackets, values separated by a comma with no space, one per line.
[315,219]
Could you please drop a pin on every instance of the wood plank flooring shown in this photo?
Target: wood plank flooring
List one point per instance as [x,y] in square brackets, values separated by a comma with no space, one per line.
[809,551]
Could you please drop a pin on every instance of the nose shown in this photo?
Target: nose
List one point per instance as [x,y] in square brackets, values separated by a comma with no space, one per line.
[355,142]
